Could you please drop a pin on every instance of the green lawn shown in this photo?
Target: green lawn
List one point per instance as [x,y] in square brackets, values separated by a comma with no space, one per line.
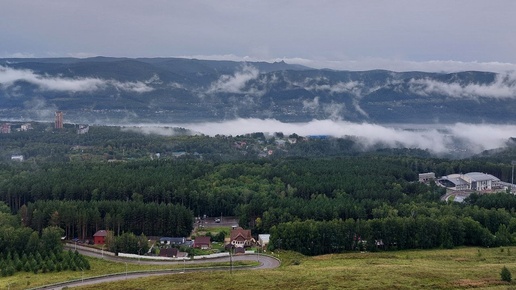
[462,268]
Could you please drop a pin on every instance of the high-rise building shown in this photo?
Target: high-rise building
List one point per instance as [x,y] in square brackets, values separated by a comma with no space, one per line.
[6,128]
[59,120]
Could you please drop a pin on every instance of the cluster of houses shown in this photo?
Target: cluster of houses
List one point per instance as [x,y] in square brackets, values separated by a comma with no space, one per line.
[6,128]
[239,239]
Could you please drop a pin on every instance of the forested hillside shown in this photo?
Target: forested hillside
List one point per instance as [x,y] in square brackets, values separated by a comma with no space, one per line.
[168,90]
[328,201]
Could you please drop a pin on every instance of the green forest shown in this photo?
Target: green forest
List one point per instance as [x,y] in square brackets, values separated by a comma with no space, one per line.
[312,196]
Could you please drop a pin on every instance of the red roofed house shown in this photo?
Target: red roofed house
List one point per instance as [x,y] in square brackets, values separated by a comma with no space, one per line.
[202,242]
[240,238]
[100,237]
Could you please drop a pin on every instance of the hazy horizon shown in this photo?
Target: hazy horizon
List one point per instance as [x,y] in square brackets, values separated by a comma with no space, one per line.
[401,35]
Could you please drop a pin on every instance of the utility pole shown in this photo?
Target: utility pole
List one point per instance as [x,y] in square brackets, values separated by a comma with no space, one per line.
[231,260]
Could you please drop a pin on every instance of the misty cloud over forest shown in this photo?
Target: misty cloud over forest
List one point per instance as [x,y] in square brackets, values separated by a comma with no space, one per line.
[438,139]
[9,77]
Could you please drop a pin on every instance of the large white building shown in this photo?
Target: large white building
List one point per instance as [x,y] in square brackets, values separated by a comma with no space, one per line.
[470,181]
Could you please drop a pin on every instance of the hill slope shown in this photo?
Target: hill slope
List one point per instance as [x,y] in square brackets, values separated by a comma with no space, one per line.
[190,90]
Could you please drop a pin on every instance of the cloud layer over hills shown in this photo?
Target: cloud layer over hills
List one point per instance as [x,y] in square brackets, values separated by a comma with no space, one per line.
[461,139]
[196,91]
[9,77]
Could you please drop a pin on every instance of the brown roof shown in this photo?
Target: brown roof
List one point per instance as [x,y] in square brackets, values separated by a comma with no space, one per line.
[169,252]
[202,240]
[101,233]
[240,233]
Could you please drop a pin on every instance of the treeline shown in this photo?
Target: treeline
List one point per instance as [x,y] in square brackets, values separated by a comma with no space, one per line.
[46,144]
[498,200]
[82,218]
[392,233]
[127,243]
[213,188]
[24,249]
[262,193]
[42,262]
[482,220]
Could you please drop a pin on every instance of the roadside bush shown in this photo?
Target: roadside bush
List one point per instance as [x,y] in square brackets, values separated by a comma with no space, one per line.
[505,274]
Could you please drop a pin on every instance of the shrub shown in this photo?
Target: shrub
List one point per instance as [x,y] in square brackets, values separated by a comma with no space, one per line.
[505,274]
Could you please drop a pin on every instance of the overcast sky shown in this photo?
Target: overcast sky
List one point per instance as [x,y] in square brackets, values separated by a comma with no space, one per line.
[430,35]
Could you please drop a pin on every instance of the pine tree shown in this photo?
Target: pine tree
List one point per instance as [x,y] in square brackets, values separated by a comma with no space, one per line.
[505,274]
[27,267]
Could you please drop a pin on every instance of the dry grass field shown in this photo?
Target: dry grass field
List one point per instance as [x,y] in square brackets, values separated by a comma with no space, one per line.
[99,267]
[462,268]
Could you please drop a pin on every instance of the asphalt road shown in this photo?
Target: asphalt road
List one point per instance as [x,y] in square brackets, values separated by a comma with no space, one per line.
[266,262]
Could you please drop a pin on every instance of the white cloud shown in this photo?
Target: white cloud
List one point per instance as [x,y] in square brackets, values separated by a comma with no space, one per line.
[8,76]
[165,131]
[359,109]
[237,82]
[334,110]
[503,87]
[138,87]
[352,87]
[438,139]
[311,105]
[39,107]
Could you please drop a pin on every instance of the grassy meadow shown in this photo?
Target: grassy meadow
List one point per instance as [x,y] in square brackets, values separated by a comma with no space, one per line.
[461,268]
[99,267]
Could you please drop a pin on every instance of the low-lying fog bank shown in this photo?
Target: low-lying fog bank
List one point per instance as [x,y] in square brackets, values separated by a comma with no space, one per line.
[437,138]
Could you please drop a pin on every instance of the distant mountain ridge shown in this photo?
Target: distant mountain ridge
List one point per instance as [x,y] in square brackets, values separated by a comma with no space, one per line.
[192,90]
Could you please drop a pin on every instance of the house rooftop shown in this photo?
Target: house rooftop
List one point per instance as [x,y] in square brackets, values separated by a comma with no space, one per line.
[202,240]
[478,176]
[101,233]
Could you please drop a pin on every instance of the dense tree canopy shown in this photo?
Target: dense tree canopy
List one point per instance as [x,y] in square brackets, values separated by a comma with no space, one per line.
[335,198]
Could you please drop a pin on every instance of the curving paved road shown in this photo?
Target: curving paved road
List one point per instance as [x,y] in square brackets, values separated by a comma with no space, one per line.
[266,262]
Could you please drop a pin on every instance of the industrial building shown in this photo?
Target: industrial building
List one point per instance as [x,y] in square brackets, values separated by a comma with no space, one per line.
[470,181]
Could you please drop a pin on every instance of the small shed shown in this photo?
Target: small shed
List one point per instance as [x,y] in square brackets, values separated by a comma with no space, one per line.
[99,238]
[263,239]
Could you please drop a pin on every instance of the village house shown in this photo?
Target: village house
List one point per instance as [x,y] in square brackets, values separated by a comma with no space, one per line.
[202,242]
[241,238]
[169,252]
[173,241]
[99,238]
